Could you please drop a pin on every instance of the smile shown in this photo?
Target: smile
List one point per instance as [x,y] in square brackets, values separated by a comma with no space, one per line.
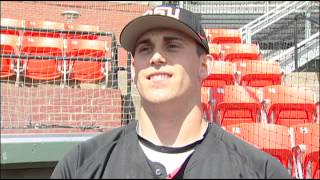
[159,76]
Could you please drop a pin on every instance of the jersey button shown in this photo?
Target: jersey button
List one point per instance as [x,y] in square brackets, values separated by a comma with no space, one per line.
[158,172]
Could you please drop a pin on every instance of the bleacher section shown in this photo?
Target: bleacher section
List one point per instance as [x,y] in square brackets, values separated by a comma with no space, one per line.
[46,50]
[247,96]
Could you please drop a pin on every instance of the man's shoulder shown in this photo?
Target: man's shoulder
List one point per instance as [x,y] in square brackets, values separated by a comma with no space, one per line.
[107,138]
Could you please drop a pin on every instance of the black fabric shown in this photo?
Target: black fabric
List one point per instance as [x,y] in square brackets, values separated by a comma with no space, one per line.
[117,154]
[171,150]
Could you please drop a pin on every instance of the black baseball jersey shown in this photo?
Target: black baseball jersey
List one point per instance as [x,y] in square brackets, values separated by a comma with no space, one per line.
[117,154]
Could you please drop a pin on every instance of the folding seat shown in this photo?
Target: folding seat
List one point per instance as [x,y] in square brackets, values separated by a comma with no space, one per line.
[48,29]
[258,73]
[287,105]
[81,27]
[222,36]
[306,143]
[222,73]
[42,69]
[92,70]
[215,50]
[271,138]
[235,52]
[9,45]
[12,23]
[235,104]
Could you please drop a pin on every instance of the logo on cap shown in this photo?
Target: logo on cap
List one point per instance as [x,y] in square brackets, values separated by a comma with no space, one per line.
[164,11]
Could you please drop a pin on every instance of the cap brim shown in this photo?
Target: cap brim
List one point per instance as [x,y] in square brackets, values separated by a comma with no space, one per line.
[133,30]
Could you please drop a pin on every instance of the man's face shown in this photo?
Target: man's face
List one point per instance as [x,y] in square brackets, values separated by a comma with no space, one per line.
[167,66]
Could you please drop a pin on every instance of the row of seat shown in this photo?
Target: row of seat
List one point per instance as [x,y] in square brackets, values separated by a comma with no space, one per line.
[275,104]
[48,69]
[53,29]
[244,72]
[223,36]
[296,147]
[234,52]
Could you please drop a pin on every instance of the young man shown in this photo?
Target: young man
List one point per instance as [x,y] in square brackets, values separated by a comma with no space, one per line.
[171,139]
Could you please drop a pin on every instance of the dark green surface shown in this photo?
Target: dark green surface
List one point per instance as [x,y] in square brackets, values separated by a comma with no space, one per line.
[35,151]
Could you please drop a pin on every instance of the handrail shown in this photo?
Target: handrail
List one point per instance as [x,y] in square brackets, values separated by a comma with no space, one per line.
[269,18]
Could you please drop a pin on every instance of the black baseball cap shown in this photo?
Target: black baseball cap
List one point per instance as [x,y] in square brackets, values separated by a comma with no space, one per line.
[163,17]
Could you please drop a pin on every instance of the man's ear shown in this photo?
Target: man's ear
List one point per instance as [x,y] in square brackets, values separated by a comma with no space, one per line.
[206,61]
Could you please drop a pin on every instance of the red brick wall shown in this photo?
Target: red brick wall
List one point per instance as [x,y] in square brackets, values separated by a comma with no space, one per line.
[51,105]
[111,17]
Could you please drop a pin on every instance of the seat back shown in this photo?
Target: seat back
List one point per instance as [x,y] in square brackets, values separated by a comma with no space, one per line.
[12,23]
[221,36]
[307,134]
[271,138]
[235,52]
[221,73]
[49,29]
[9,45]
[86,70]
[215,51]
[81,27]
[236,104]
[42,69]
[289,105]
[258,73]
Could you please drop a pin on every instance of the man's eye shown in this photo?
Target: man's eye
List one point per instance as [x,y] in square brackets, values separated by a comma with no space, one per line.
[143,49]
[173,46]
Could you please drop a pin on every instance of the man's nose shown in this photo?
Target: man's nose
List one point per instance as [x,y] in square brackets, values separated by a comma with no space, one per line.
[157,59]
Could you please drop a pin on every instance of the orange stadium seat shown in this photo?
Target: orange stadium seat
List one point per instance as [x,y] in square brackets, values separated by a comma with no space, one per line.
[289,105]
[42,69]
[49,28]
[81,27]
[222,73]
[9,45]
[258,73]
[86,70]
[308,157]
[271,138]
[235,104]
[215,50]
[12,23]
[235,52]
[222,36]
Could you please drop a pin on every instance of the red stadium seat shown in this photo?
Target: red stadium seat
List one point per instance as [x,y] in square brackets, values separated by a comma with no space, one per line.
[86,70]
[306,137]
[42,69]
[271,138]
[235,104]
[222,36]
[9,45]
[81,27]
[215,50]
[258,73]
[236,52]
[12,23]
[49,26]
[222,73]
[289,105]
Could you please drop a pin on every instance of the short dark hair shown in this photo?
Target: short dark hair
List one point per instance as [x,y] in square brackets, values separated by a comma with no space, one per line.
[200,50]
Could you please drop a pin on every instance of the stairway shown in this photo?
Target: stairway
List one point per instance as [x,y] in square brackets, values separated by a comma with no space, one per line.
[271,17]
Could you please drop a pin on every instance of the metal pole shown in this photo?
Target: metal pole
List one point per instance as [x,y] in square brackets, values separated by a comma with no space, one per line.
[296,43]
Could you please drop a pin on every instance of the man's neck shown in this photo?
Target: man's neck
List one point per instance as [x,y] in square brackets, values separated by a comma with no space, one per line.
[172,127]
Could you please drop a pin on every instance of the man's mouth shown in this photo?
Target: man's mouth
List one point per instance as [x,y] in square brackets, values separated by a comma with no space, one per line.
[159,76]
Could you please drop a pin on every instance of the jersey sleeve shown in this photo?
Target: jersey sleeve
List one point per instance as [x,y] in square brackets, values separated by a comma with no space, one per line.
[66,168]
